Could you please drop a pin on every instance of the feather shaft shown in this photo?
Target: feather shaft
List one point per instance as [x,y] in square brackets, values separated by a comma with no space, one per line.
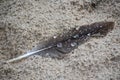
[27,54]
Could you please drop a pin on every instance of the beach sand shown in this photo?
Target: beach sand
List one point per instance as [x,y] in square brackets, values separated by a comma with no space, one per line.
[25,24]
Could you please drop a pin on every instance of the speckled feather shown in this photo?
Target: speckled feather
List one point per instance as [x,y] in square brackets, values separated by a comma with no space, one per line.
[59,46]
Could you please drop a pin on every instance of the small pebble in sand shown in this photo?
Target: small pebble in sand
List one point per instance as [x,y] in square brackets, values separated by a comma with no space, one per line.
[47,54]
[54,37]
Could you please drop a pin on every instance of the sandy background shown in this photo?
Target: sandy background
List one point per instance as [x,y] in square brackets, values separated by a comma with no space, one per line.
[26,23]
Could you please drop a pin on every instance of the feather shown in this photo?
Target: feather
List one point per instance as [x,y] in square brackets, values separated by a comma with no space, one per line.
[59,46]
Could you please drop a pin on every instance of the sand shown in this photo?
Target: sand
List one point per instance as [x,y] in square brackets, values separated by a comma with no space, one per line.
[27,23]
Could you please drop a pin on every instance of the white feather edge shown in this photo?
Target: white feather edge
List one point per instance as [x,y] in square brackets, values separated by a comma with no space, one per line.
[27,55]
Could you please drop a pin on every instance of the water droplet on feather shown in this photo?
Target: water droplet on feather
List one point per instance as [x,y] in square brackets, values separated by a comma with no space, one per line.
[59,45]
[73,44]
